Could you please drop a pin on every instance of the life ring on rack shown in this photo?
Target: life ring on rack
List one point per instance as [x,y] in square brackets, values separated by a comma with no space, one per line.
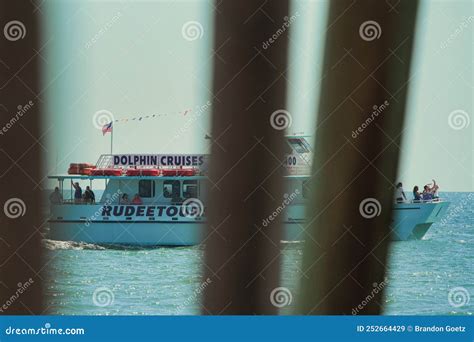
[186,172]
[80,168]
[143,172]
[86,166]
[86,171]
[106,172]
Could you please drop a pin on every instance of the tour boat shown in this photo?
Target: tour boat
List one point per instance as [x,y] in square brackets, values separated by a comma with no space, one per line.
[173,192]
[410,219]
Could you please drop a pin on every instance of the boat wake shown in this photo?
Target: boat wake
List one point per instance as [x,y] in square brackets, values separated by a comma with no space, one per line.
[54,245]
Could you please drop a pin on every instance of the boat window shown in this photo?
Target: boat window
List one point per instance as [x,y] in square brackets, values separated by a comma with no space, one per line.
[146,188]
[190,189]
[171,189]
[299,145]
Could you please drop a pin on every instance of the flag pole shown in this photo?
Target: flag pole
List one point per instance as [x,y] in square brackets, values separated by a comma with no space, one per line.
[111,139]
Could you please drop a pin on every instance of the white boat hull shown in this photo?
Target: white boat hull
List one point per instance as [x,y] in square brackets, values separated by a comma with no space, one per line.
[168,226]
[410,221]
[135,234]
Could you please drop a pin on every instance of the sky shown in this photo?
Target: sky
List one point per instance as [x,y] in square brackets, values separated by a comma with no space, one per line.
[132,58]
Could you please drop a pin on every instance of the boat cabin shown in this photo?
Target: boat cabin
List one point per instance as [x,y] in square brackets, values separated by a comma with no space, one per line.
[163,179]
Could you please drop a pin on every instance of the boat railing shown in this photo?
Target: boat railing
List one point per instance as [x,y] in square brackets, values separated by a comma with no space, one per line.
[75,202]
[114,202]
[106,161]
[434,200]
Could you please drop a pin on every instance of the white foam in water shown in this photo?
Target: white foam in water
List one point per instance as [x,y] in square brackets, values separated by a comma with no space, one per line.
[55,245]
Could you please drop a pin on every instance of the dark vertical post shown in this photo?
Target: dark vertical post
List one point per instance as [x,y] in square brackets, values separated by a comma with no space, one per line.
[242,254]
[360,123]
[20,224]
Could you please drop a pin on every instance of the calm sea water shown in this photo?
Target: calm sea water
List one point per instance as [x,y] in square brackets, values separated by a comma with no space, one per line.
[91,280]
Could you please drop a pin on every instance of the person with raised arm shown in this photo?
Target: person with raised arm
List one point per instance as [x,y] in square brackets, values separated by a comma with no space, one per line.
[77,192]
[434,189]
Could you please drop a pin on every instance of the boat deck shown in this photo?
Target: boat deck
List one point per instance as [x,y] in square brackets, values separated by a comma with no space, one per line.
[123,177]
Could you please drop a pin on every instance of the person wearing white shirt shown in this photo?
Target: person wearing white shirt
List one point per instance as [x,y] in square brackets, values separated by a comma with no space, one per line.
[400,194]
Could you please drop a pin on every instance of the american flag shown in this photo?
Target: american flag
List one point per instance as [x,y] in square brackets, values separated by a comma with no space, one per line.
[107,128]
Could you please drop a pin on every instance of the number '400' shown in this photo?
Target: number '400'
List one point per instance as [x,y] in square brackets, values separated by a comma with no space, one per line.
[291,161]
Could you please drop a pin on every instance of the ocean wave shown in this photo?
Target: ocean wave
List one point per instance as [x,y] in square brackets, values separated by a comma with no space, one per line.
[57,245]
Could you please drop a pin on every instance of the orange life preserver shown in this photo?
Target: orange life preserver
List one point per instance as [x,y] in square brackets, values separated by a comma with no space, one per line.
[106,172]
[143,172]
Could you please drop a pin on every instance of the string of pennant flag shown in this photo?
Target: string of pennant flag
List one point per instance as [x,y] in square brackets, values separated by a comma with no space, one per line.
[145,117]
[108,126]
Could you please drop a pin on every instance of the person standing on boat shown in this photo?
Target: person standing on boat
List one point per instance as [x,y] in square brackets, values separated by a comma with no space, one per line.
[89,196]
[56,197]
[430,192]
[426,195]
[400,194]
[434,189]
[77,192]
